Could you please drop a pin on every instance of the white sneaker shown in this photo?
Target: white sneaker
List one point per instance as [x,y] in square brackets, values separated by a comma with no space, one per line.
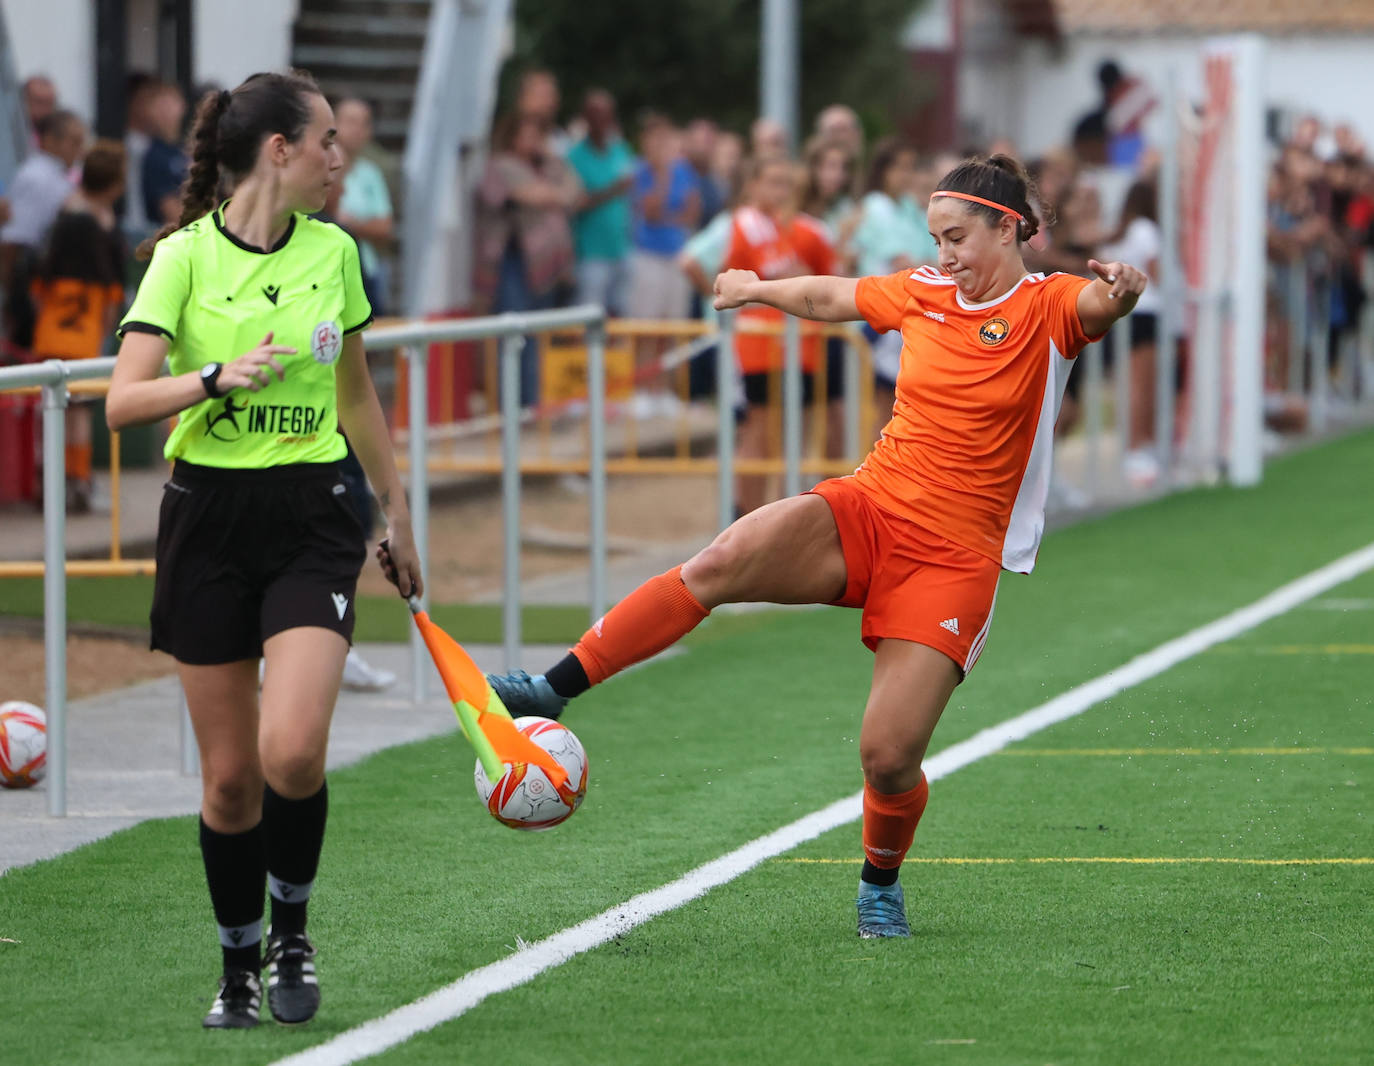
[1141,467]
[361,676]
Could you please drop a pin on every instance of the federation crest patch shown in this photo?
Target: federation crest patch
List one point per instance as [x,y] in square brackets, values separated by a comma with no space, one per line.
[326,342]
[994,331]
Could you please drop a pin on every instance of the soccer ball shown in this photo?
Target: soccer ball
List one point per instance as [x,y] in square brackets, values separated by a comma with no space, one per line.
[524,797]
[23,744]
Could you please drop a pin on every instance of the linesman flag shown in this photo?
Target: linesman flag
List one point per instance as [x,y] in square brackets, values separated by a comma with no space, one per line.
[481,714]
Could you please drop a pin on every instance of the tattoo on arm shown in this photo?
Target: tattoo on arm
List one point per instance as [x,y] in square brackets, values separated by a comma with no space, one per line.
[810,307]
[385,498]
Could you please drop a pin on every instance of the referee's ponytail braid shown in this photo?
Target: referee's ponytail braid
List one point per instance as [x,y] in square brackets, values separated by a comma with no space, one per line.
[228,132]
[200,190]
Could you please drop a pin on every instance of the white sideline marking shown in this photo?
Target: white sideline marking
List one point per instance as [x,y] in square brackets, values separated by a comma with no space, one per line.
[452,1000]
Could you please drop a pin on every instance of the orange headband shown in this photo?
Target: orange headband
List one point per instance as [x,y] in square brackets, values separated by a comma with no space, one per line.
[980,200]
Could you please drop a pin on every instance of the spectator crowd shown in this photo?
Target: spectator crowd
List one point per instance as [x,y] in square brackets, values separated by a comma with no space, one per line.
[583,205]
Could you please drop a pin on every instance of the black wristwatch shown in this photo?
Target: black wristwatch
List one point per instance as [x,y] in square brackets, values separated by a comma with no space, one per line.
[209,378]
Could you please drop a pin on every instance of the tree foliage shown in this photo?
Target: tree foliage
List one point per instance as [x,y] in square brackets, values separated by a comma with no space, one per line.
[701,57]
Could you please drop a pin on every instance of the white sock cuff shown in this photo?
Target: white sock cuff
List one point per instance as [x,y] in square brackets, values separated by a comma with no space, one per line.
[286,891]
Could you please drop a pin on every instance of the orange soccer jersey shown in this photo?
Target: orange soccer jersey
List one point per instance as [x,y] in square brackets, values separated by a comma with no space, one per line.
[967,452]
[773,250]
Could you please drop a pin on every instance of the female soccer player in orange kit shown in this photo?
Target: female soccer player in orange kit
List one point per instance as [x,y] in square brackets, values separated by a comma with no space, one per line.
[951,495]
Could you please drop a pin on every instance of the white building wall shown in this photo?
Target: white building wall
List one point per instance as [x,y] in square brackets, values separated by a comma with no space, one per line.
[56,38]
[1328,76]
[230,40]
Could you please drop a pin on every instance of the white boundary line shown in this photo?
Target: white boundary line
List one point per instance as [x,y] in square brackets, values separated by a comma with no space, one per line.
[447,1003]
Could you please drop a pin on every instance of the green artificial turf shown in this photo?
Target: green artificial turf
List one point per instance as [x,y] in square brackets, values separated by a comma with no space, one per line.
[1035,962]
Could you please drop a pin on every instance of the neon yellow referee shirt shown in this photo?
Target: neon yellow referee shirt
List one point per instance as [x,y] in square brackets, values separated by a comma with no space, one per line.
[214,298]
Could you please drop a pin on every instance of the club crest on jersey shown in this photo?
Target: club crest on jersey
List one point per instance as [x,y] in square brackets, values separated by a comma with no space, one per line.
[994,331]
[326,342]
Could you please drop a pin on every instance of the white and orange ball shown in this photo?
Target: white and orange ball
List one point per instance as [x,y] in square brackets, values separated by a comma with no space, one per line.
[23,744]
[524,797]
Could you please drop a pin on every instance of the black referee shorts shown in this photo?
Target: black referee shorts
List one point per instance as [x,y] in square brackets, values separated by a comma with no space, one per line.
[244,554]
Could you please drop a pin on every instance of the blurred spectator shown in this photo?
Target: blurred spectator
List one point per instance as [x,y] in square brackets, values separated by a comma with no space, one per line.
[770,237]
[840,124]
[667,206]
[829,192]
[40,100]
[1126,101]
[726,161]
[139,90]
[767,138]
[164,161]
[78,292]
[699,149]
[605,165]
[365,202]
[538,98]
[892,235]
[828,195]
[36,194]
[524,248]
[1137,241]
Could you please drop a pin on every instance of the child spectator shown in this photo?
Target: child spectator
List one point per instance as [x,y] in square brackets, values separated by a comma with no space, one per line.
[78,292]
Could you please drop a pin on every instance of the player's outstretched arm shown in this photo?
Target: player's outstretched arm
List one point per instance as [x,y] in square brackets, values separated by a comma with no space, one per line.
[1113,295]
[821,297]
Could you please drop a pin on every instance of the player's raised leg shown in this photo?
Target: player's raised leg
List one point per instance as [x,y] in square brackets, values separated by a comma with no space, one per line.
[222,701]
[911,685]
[786,552]
[300,687]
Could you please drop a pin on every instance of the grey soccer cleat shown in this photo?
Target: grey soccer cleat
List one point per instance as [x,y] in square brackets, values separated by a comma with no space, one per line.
[882,911]
[524,695]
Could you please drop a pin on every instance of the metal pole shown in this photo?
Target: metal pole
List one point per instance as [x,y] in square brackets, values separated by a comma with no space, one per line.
[416,356]
[190,753]
[791,407]
[1297,324]
[1170,281]
[596,394]
[55,587]
[854,442]
[1320,348]
[778,65]
[1092,420]
[1245,445]
[725,420]
[1121,348]
[512,344]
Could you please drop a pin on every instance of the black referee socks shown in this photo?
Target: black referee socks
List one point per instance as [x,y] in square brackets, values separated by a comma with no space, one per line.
[294,834]
[235,867]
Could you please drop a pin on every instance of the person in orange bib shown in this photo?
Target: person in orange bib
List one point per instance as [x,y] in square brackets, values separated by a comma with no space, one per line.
[952,494]
[774,240]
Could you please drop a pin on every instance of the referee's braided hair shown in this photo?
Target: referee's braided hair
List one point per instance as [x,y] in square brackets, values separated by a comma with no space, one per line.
[228,130]
[1001,179]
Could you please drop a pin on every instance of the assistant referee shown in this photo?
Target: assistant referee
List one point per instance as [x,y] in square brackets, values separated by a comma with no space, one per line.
[259,310]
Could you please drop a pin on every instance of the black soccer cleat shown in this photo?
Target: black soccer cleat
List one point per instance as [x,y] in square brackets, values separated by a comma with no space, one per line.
[238,1002]
[293,994]
[524,695]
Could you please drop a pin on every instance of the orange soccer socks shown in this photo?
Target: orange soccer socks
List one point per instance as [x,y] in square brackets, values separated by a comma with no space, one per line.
[889,827]
[654,616]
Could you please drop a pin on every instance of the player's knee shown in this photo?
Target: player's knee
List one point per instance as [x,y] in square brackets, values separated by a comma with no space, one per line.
[293,771]
[711,573]
[888,769]
[232,796]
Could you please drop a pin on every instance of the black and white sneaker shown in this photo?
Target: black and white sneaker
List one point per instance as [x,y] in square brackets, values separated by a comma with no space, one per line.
[238,1002]
[293,994]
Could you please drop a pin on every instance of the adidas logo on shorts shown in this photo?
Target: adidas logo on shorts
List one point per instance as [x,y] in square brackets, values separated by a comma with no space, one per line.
[952,624]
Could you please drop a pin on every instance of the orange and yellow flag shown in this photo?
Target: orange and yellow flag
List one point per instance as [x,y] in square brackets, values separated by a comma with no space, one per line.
[481,714]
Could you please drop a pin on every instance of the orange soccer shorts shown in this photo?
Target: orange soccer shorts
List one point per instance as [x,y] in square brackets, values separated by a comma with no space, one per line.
[911,583]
